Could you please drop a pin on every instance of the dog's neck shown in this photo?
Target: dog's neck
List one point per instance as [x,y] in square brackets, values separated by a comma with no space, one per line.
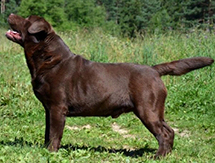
[46,55]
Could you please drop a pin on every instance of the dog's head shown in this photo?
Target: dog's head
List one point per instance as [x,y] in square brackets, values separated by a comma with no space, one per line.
[33,29]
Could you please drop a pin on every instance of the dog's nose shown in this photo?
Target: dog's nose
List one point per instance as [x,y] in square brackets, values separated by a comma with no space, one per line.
[11,15]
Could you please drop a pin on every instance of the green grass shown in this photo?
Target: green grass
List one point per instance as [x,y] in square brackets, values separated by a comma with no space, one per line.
[189,106]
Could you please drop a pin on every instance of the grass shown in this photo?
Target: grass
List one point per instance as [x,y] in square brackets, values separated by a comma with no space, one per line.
[189,106]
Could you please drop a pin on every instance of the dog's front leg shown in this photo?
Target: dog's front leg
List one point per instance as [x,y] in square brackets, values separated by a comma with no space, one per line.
[55,122]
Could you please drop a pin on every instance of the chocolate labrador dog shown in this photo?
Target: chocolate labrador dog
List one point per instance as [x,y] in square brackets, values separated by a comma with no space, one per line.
[69,85]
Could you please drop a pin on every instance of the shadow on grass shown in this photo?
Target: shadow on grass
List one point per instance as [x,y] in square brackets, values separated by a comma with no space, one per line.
[130,153]
[20,142]
[126,152]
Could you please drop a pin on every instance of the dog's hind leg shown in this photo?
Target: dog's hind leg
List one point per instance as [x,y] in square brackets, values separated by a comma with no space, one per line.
[150,110]
[159,128]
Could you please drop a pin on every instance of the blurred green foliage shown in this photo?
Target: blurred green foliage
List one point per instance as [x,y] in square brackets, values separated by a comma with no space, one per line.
[119,17]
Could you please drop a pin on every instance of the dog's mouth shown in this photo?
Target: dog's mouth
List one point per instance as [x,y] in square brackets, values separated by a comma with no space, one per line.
[14,36]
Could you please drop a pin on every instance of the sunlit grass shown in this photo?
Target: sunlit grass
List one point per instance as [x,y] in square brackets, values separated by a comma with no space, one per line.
[189,106]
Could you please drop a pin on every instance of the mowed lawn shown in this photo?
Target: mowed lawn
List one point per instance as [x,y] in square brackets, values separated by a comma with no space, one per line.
[190,106]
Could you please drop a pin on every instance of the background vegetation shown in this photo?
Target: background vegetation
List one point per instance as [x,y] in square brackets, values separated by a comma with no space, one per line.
[119,17]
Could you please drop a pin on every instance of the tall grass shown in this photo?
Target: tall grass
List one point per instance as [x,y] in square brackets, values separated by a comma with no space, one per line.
[189,106]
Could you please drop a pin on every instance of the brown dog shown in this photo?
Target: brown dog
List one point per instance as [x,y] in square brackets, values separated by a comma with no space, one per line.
[69,85]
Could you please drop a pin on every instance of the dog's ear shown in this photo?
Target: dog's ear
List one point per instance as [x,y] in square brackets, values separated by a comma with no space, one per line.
[40,25]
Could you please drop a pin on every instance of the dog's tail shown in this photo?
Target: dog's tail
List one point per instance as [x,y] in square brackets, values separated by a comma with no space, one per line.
[182,66]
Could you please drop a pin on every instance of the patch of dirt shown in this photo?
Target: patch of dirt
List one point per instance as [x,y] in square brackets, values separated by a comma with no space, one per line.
[128,148]
[121,131]
[184,133]
[78,127]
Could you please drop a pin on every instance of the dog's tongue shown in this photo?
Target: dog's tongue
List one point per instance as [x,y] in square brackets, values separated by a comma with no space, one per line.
[13,35]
